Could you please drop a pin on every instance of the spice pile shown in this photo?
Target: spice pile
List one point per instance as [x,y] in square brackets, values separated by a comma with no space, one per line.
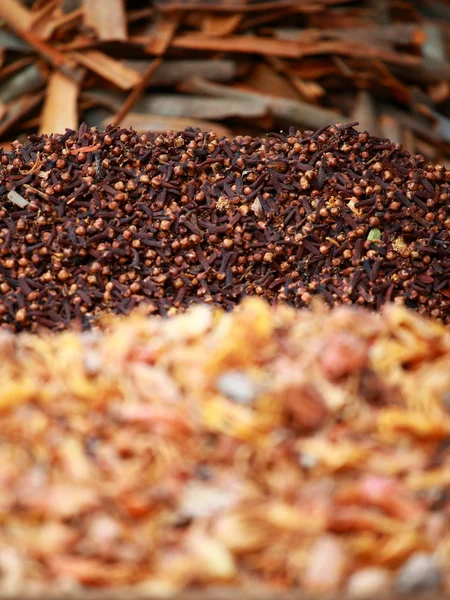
[193,451]
[102,221]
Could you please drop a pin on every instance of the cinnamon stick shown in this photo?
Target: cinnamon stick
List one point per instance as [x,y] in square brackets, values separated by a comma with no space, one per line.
[137,91]
[108,19]
[161,34]
[295,111]
[60,109]
[109,68]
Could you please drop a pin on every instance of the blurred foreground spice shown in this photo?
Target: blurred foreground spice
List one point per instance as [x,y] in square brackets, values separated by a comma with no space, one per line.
[96,221]
[263,449]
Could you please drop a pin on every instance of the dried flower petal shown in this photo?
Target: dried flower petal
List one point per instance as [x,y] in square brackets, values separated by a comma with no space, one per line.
[263,448]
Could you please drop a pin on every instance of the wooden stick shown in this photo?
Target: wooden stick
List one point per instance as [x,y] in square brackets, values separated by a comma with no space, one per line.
[47,28]
[107,18]
[235,43]
[288,49]
[162,33]
[16,66]
[172,72]
[395,33]
[307,90]
[107,99]
[137,91]
[426,149]
[51,54]
[408,139]
[139,13]
[10,41]
[434,45]
[361,50]
[200,107]
[415,123]
[19,109]
[15,14]
[220,25]
[60,107]
[442,125]
[109,68]
[30,79]
[390,128]
[27,80]
[42,16]
[256,20]
[269,81]
[230,6]
[294,111]
[434,66]
[399,90]
[20,20]
[364,112]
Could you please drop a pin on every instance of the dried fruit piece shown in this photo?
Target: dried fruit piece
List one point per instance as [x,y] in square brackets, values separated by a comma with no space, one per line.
[368,583]
[305,407]
[343,354]
[326,566]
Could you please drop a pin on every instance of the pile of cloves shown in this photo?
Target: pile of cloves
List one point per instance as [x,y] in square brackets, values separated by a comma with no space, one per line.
[95,221]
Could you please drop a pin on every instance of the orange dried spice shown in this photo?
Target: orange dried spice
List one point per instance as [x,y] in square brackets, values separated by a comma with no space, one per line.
[252,449]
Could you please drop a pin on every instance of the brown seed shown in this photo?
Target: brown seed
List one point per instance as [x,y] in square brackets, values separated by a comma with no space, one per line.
[63,275]
[20,315]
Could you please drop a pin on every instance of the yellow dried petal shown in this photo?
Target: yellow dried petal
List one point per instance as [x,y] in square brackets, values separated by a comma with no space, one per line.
[435,478]
[392,421]
[333,455]
[399,547]
[13,393]
[291,518]
[75,460]
[217,562]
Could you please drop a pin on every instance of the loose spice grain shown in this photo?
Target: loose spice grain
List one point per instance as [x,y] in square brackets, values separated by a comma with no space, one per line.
[114,219]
